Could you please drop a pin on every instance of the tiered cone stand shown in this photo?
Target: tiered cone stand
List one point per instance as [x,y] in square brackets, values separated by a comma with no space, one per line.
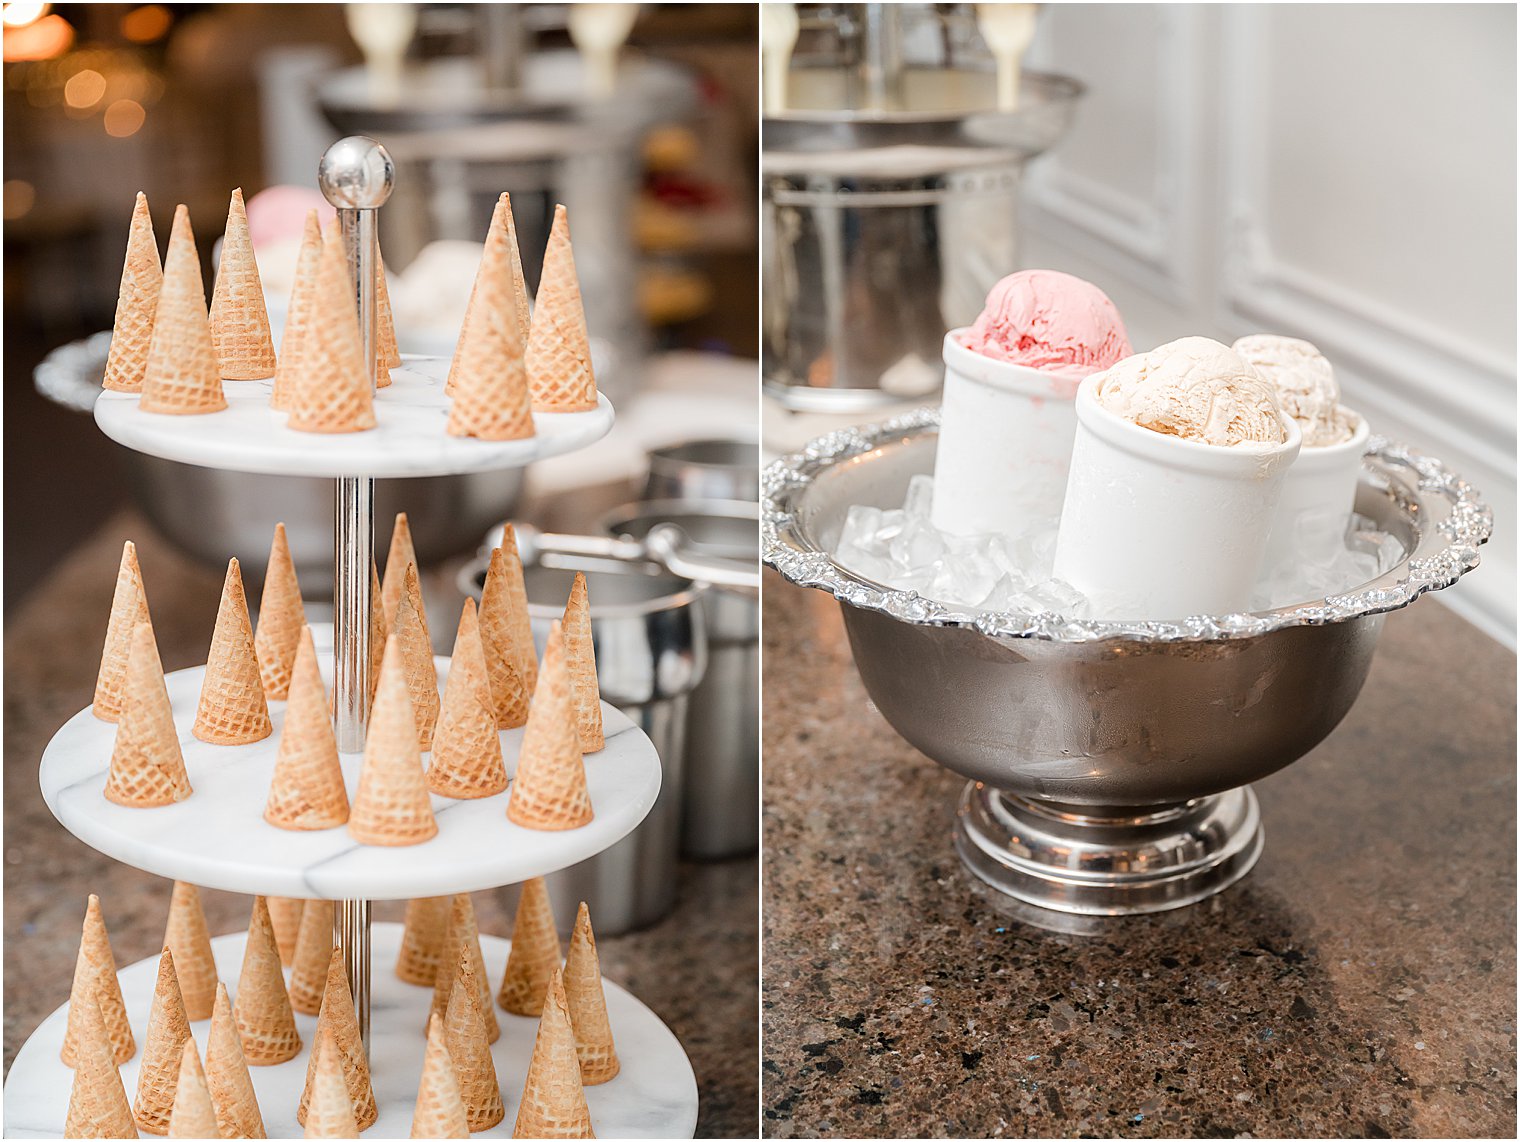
[217,836]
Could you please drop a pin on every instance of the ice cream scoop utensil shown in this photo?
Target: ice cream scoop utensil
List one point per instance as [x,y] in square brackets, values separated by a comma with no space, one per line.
[665,546]
[1007,28]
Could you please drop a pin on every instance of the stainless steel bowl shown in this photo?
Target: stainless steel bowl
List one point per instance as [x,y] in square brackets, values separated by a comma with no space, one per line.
[1109,761]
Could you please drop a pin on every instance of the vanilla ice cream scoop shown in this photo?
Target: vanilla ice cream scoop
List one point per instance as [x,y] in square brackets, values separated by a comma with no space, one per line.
[1197,389]
[1305,383]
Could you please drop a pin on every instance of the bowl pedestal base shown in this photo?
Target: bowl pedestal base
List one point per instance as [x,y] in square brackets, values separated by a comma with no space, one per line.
[1093,862]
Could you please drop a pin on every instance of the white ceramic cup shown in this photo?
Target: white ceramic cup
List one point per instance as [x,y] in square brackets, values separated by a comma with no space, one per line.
[1318,494]
[1005,441]
[1158,527]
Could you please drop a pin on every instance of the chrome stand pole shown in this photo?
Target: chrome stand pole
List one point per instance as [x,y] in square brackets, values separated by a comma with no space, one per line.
[356,176]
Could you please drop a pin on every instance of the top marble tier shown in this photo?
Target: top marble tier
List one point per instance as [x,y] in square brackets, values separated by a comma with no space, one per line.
[408,440]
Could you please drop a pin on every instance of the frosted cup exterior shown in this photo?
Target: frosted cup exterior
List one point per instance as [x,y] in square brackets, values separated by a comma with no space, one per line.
[1004,443]
[1317,497]
[1156,527]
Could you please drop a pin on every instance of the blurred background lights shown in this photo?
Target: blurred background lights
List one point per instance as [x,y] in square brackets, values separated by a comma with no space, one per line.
[19,15]
[84,89]
[47,38]
[146,24]
[19,197]
[124,117]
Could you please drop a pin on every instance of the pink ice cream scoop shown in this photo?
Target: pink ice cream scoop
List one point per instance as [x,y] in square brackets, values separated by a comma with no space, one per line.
[1050,321]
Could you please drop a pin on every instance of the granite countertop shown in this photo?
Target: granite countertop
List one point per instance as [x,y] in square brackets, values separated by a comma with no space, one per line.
[696,969]
[1359,982]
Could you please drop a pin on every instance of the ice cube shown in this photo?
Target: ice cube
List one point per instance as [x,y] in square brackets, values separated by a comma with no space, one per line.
[893,520]
[1059,596]
[917,546]
[920,498]
[861,525]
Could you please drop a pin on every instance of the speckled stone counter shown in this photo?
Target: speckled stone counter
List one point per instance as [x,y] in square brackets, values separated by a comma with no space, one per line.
[1359,982]
[696,969]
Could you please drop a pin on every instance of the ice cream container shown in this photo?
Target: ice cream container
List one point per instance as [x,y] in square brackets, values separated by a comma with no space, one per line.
[1006,435]
[1158,527]
[1317,497]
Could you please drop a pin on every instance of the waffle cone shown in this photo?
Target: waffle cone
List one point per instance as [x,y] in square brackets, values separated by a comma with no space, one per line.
[239,322]
[516,594]
[422,939]
[330,1111]
[98,1106]
[520,306]
[237,1107]
[580,659]
[462,940]
[95,979]
[147,765]
[232,709]
[285,916]
[332,393]
[553,1099]
[168,1032]
[534,956]
[389,352]
[440,1109]
[470,1048]
[338,1027]
[500,213]
[559,351]
[262,1011]
[379,631]
[136,302]
[193,1115]
[181,377]
[129,606]
[549,789]
[281,617]
[490,381]
[399,557]
[306,791]
[314,947]
[298,318]
[392,806]
[588,1004]
[417,658]
[500,629]
[466,759]
[186,936]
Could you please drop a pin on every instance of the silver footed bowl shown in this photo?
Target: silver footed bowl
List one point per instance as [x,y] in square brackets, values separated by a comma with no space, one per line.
[1109,762]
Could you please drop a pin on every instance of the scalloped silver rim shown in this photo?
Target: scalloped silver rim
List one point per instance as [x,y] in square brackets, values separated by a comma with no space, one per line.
[1444,554]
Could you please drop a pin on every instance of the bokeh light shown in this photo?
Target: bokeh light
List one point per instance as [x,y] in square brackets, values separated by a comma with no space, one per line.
[47,38]
[124,118]
[22,13]
[84,89]
[20,196]
[146,24]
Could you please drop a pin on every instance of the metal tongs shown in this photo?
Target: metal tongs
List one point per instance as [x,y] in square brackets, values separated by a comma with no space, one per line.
[666,548]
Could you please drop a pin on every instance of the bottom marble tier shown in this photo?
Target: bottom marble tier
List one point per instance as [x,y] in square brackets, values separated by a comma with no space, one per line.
[654,1095]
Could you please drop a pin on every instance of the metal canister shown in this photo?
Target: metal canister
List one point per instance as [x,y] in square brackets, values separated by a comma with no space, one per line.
[704,470]
[721,783]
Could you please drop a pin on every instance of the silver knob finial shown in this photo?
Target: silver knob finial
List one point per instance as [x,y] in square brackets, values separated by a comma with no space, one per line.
[356,173]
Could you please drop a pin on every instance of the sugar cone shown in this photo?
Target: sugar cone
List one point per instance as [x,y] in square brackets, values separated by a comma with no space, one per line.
[187,937]
[506,635]
[136,302]
[281,617]
[237,1107]
[465,1033]
[490,381]
[500,214]
[463,939]
[129,606]
[232,709]
[549,788]
[262,1011]
[147,765]
[534,956]
[292,361]
[306,791]
[333,393]
[516,597]
[338,1027]
[440,1109]
[400,556]
[95,978]
[168,1032]
[553,1099]
[580,660]
[588,1004]
[520,307]
[314,946]
[193,1116]
[330,1113]
[379,631]
[285,915]
[389,352]
[417,658]
[422,939]
[466,759]
[239,322]
[559,352]
[392,806]
[98,1106]
[181,376]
